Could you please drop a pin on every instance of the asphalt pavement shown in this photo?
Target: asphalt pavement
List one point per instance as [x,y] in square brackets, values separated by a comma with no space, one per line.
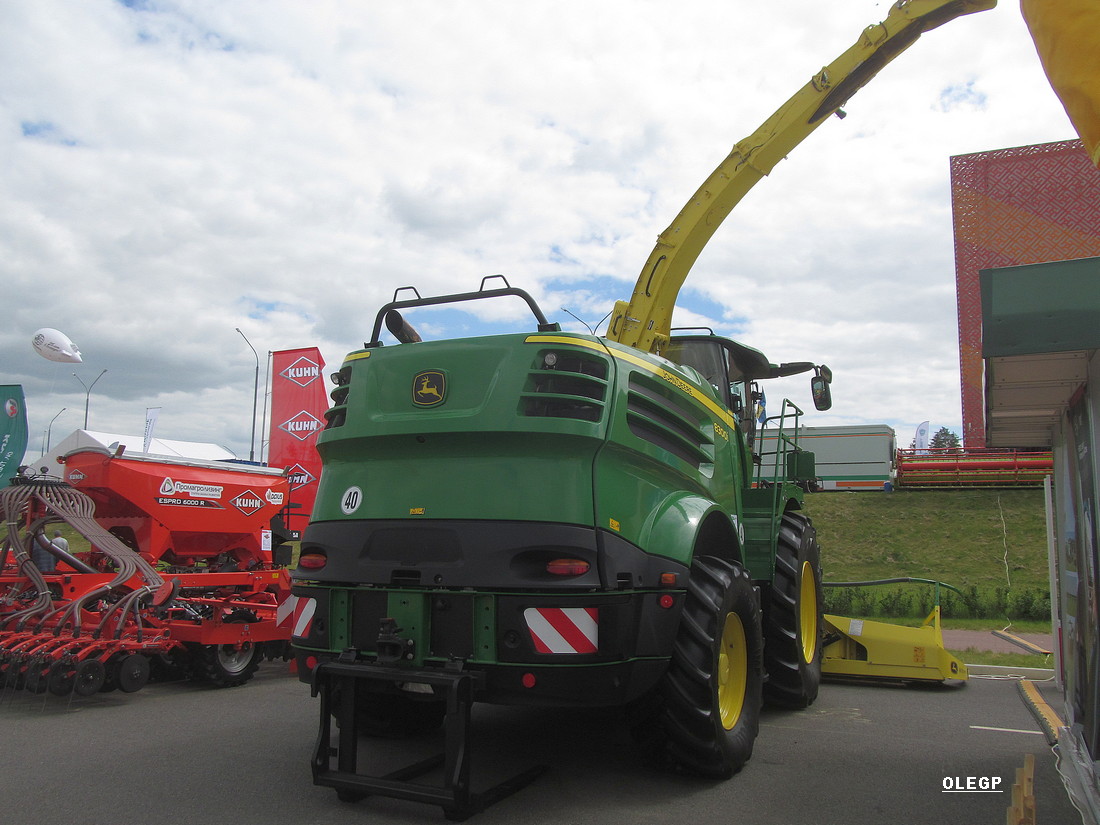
[861,755]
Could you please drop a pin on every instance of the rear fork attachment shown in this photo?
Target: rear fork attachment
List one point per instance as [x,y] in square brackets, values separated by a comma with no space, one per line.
[338,683]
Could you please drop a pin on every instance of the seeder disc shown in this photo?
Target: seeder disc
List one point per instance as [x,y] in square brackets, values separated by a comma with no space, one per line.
[61,679]
[133,673]
[36,678]
[89,677]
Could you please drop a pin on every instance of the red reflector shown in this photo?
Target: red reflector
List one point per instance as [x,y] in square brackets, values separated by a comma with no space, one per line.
[567,567]
[311,662]
[312,561]
[666,601]
[528,680]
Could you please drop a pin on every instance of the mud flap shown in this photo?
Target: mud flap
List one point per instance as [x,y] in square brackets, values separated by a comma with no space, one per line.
[862,649]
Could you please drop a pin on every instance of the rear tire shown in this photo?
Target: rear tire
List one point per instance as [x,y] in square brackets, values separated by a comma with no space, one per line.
[227,665]
[793,620]
[711,694]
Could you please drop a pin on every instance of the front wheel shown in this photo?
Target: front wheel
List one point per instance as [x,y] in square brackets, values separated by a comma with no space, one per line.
[793,622]
[712,692]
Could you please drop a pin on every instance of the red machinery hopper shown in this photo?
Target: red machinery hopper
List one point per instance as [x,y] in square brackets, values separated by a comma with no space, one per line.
[180,575]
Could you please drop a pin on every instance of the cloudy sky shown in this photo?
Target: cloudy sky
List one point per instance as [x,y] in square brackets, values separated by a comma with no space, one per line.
[171,170]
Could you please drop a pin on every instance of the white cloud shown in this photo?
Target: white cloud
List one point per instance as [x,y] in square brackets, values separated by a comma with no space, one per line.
[171,170]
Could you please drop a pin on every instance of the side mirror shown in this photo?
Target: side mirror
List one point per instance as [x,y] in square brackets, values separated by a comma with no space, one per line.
[819,388]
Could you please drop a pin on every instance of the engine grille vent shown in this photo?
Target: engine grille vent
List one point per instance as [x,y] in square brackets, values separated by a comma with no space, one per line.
[575,386]
[656,416]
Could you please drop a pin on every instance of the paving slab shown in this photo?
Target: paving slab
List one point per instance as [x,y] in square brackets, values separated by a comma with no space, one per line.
[986,640]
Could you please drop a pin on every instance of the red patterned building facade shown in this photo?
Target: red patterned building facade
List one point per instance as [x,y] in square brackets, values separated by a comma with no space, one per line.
[1026,205]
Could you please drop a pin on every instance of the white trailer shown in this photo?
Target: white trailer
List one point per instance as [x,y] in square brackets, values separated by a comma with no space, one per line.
[856,457]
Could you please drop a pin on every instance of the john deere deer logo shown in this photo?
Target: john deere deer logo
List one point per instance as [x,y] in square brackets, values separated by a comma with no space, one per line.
[429,388]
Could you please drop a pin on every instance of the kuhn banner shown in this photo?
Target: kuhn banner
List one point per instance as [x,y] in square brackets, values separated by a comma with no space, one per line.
[298,404]
[13,431]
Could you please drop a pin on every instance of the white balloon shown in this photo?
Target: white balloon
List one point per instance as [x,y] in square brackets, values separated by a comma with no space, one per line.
[55,346]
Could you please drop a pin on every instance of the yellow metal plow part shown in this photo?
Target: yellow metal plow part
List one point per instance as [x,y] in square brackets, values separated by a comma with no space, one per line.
[861,648]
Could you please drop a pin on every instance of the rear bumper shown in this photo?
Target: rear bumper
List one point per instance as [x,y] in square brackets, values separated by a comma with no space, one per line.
[586,649]
[604,685]
[476,553]
[477,596]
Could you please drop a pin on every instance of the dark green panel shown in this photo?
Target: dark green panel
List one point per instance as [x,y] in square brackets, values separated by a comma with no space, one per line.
[1049,307]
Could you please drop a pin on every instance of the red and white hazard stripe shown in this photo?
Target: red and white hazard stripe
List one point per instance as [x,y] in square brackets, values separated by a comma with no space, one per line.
[563,629]
[299,612]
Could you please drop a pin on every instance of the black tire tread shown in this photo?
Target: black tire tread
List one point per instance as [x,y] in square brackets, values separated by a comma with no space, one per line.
[792,683]
[694,739]
[207,668]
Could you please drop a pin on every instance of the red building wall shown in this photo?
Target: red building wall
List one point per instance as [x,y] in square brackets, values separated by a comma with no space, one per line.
[1026,205]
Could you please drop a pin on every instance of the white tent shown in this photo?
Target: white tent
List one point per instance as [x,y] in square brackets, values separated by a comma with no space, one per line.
[134,444]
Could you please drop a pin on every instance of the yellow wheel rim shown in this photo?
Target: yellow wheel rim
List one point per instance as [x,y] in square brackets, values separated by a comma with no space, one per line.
[807,612]
[733,666]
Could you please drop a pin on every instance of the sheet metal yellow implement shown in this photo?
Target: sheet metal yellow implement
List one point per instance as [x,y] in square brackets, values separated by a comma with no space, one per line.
[866,649]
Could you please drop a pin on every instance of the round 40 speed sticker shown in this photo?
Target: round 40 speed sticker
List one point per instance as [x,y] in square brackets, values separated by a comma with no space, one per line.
[351,500]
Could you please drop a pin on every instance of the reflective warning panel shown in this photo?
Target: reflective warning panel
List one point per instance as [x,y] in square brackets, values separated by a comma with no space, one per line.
[563,629]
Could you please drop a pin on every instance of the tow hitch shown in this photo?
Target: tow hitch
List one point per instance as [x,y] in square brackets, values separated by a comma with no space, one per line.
[339,684]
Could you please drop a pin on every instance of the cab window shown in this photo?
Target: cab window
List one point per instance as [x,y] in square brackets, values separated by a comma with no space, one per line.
[708,358]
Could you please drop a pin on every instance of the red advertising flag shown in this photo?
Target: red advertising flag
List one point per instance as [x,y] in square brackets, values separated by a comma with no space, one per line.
[298,404]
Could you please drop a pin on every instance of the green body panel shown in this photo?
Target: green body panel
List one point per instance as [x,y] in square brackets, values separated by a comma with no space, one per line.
[473,456]
[548,428]
[410,611]
[675,523]
[499,476]
[760,544]
[485,627]
[638,445]
[670,448]
[338,616]
[801,466]
[764,508]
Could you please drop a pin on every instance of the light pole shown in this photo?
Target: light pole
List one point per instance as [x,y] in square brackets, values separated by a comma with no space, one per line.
[87,393]
[263,417]
[255,395]
[49,429]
